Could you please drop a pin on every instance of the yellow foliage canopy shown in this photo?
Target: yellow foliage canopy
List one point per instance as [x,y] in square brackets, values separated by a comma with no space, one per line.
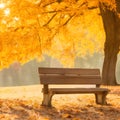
[31,28]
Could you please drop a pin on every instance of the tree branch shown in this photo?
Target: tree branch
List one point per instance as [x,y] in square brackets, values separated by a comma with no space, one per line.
[69,19]
[84,3]
[49,3]
[93,7]
[50,19]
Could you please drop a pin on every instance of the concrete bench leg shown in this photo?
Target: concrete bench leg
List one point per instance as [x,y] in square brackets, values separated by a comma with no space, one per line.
[101,98]
[47,99]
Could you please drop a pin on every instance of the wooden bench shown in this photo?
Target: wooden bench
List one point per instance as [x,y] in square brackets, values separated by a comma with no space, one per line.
[71,76]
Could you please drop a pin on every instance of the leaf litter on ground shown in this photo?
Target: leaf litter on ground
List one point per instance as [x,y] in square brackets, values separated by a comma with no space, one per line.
[27,106]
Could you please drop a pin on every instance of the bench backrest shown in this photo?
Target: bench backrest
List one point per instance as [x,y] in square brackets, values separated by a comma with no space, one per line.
[69,76]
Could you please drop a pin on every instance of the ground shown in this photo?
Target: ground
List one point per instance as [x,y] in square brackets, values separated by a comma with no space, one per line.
[24,103]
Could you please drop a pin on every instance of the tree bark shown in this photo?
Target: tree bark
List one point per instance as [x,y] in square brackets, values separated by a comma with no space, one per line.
[111,23]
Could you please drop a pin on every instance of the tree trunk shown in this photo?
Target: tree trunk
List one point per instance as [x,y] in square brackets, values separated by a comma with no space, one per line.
[111,23]
[109,68]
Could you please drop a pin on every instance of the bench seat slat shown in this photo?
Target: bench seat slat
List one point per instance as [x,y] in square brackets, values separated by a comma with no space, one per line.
[82,71]
[61,79]
[77,90]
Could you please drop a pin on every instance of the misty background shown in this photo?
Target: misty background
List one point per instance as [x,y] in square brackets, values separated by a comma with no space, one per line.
[27,74]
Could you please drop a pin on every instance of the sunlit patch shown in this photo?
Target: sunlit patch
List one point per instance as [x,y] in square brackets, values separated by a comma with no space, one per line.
[4,22]
[2,5]
[34,1]
[16,18]
[7,11]
[37,1]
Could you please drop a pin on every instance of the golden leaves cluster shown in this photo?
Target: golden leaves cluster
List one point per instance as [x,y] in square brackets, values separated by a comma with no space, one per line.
[62,29]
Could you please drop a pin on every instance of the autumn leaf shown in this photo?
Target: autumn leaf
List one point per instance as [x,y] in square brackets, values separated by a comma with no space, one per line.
[30,29]
[66,116]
